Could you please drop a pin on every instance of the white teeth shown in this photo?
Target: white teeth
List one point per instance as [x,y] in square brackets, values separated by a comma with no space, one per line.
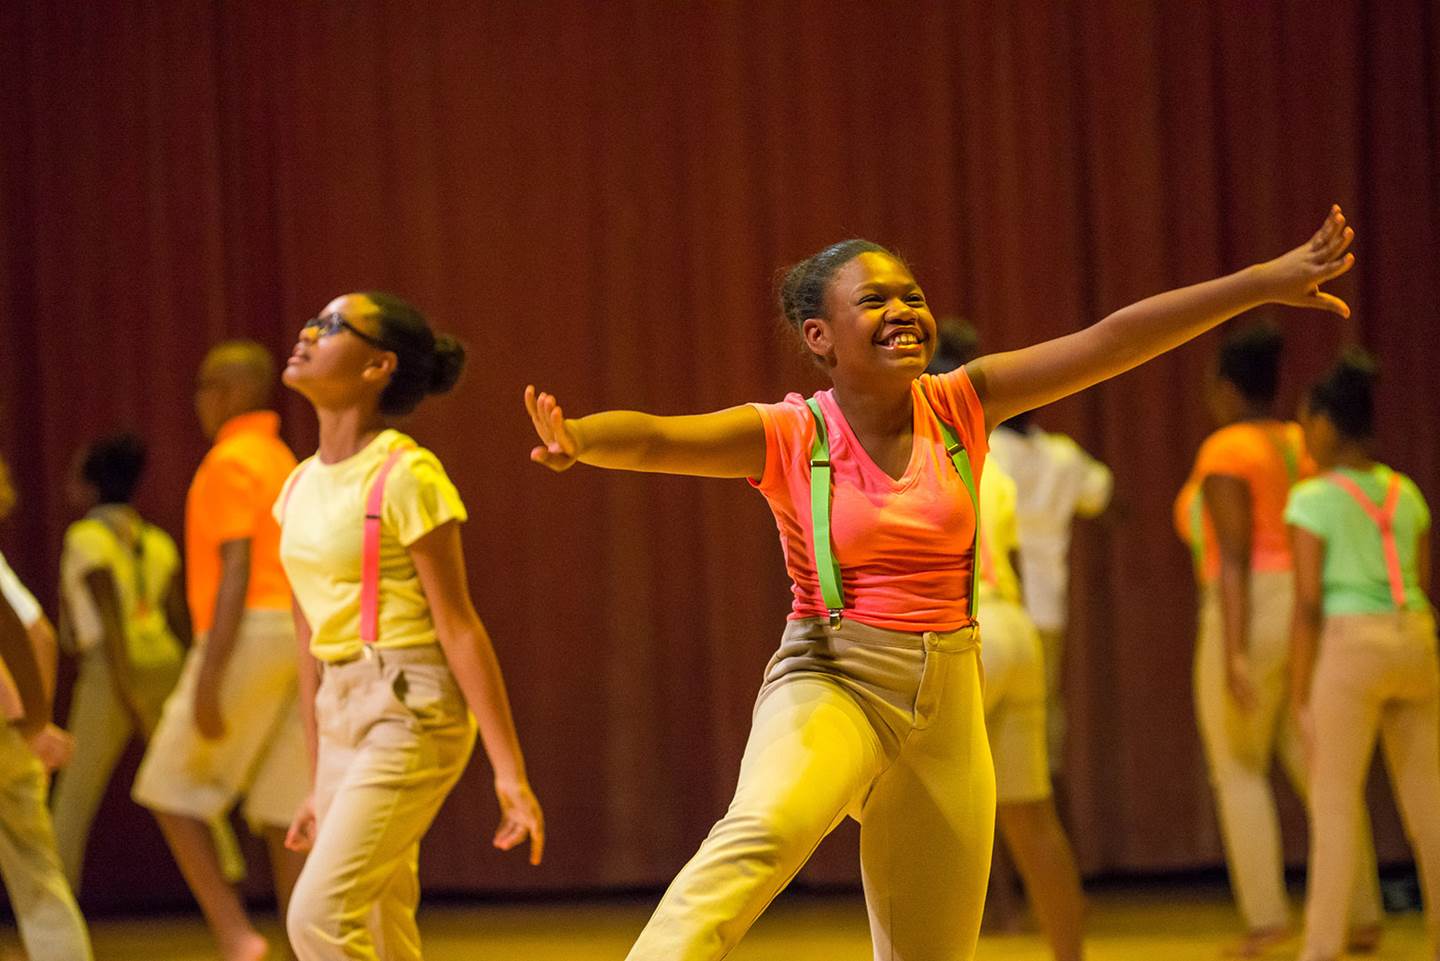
[904,340]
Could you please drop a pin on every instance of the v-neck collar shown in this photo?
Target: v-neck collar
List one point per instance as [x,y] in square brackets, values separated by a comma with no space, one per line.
[867,464]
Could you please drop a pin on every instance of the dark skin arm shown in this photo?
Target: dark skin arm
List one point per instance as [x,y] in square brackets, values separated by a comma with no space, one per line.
[301,834]
[1228,501]
[229,606]
[101,585]
[24,666]
[177,612]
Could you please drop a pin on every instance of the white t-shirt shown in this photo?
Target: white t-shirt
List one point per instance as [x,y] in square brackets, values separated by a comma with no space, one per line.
[24,603]
[106,539]
[1055,480]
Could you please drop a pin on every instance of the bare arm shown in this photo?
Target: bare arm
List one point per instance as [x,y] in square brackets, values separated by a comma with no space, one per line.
[1228,501]
[41,635]
[220,642]
[440,564]
[100,582]
[725,443]
[1309,554]
[1020,380]
[177,612]
[24,669]
[309,680]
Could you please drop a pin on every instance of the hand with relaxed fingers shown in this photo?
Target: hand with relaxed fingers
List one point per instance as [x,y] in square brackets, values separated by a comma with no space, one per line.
[301,835]
[520,816]
[53,746]
[558,448]
[1294,278]
[1238,680]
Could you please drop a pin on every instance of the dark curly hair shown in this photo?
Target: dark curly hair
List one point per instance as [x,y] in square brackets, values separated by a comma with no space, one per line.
[1250,359]
[1347,395]
[113,466]
[802,289]
[428,363]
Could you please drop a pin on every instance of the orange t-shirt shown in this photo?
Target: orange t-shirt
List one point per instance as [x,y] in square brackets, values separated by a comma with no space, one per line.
[1270,457]
[903,545]
[230,500]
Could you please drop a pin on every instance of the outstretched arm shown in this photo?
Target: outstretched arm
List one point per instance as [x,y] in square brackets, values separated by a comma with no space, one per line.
[726,443]
[1020,380]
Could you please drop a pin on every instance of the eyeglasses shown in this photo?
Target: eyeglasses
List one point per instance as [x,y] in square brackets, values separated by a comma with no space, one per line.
[328,324]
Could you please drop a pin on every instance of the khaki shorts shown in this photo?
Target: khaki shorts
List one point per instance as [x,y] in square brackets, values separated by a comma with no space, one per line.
[1014,701]
[262,755]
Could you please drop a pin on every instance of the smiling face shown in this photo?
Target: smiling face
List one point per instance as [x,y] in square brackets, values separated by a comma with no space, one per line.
[341,364]
[876,324]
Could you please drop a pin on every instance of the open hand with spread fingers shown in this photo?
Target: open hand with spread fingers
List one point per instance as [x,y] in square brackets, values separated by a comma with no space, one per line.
[1294,278]
[558,446]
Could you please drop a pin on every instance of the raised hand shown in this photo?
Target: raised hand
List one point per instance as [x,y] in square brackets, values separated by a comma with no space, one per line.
[1295,278]
[558,447]
[520,816]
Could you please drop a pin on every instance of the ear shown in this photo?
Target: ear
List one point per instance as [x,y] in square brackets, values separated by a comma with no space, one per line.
[816,333]
[381,367]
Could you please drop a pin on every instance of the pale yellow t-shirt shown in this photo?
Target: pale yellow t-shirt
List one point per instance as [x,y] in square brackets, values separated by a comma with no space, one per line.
[999,537]
[322,529]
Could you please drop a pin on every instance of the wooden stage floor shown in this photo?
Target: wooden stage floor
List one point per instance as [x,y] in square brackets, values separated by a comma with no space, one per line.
[1153,923]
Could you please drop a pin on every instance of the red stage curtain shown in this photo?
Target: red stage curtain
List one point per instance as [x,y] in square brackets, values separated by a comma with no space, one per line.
[596,198]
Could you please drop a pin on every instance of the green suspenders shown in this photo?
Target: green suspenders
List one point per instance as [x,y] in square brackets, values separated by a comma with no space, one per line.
[828,569]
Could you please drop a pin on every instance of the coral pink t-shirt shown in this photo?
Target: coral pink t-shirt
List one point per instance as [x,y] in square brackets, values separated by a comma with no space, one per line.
[903,545]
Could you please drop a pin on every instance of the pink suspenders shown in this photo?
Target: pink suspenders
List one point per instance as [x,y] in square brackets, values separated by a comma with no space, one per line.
[1384,518]
[370,545]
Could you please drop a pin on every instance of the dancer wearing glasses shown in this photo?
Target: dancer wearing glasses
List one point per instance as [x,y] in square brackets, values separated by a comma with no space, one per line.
[394,659]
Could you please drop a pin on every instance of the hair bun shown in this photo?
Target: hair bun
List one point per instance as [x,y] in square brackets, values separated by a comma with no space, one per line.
[449,363]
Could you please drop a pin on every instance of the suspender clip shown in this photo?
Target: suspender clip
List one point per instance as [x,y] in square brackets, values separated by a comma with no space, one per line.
[836,616]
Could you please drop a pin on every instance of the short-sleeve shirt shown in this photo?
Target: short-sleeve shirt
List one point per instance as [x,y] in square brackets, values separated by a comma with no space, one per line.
[1056,481]
[18,596]
[322,513]
[999,535]
[230,500]
[903,546]
[1354,577]
[107,539]
[1269,456]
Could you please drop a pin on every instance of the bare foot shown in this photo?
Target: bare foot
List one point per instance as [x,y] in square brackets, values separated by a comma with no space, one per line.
[1365,938]
[1257,943]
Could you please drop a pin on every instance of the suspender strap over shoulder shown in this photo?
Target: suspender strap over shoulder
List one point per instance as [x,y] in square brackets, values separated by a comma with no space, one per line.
[370,551]
[370,543]
[832,589]
[1384,518]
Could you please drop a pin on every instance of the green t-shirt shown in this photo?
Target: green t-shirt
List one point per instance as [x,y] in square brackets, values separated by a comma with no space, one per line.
[1354,578]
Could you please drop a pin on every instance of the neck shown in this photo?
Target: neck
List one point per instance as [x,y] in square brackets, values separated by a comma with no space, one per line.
[345,431]
[870,413]
[1355,456]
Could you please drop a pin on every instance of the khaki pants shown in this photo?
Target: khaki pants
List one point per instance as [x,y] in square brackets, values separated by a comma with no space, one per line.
[262,755]
[394,737]
[102,729]
[885,727]
[1052,644]
[50,923]
[1377,674]
[1014,702]
[1241,747]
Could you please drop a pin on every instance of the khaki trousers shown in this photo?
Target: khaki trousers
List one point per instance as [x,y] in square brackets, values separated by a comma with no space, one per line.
[394,737]
[1241,747]
[1014,702]
[1052,644]
[50,923]
[885,727]
[1377,674]
[102,729]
